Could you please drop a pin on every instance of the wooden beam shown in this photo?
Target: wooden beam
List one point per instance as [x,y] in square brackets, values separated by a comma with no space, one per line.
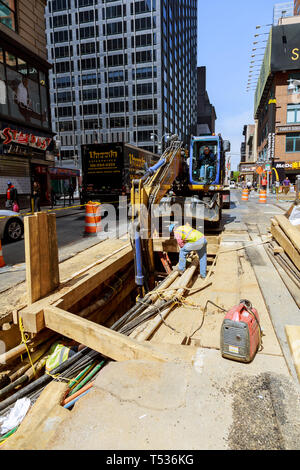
[41,255]
[107,342]
[293,336]
[286,244]
[75,290]
[171,246]
[292,232]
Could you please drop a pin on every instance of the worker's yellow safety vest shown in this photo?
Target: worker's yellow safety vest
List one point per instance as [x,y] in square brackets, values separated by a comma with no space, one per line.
[57,355]
[188,234]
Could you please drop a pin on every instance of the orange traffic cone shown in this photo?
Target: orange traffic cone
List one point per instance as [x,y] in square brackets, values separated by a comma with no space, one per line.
[245,195]
[92,219]
[262,197]
[2,264]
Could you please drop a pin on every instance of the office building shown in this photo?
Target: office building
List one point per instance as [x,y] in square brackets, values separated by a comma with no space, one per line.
[122,71]
[206,113]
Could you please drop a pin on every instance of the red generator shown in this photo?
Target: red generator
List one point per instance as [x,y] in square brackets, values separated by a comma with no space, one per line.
[241,333]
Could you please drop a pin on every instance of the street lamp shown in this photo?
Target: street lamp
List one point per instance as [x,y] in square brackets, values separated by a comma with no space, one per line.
[159,142]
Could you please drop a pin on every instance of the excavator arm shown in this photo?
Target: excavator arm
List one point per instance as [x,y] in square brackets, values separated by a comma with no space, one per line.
[145,193]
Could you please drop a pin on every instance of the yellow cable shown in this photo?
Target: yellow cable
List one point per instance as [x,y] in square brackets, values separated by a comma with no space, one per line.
[24,341]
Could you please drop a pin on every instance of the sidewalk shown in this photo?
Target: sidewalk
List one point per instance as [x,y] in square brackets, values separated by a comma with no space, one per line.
[61,209]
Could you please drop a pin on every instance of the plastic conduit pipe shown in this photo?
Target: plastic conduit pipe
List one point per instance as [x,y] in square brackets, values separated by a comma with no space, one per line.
[139,278]
[87,379]
[43,380]
[69,405]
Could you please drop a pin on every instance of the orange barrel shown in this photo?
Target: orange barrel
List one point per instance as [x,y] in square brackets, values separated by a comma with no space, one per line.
[92,218]
[2,264]
[263,197]
[245,195]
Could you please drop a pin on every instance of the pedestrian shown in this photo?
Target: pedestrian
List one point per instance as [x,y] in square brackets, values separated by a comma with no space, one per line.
[53,198]
[71,194]
[264,183]
[286,185]
[277,186]
[37,196]
[11,196]
[249,185]
[189,240]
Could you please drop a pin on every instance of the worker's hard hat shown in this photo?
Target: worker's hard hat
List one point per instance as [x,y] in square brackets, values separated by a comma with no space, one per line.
[8,183]
[171,228]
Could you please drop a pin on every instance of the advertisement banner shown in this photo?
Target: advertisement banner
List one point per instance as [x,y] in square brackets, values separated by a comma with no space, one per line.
[286,47]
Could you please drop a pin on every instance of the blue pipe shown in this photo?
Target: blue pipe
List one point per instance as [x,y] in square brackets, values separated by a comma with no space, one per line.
[71,403]
[154,168]
[139,278]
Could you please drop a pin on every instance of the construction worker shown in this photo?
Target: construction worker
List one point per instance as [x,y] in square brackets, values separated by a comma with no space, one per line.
[189,240]
[11,195]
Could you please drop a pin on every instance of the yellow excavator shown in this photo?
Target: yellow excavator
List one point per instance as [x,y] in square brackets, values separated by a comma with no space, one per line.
[176,178]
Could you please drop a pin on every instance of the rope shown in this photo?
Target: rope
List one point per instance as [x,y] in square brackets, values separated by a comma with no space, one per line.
[25,339]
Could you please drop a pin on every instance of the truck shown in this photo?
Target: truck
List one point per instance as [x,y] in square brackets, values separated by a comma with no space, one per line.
[108,170]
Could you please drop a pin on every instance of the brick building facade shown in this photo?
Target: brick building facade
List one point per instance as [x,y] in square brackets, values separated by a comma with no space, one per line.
[277,106]
[297,7]
[26,138]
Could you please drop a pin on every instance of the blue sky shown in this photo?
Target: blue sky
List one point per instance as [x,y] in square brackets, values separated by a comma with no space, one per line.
[226,31]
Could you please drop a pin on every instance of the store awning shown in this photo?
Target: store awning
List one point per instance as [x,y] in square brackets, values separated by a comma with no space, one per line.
[64,172]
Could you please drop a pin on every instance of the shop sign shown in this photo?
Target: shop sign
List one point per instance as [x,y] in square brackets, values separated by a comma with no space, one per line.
[18,137]
[286,129]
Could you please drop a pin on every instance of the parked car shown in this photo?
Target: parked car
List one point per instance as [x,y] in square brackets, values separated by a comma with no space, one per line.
[11,226]
[232,184]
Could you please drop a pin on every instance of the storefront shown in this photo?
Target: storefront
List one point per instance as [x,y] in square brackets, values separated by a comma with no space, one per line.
[62,178]
[26,137]
[248,172]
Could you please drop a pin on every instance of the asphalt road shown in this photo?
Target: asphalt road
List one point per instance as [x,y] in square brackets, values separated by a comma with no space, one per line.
[71,240]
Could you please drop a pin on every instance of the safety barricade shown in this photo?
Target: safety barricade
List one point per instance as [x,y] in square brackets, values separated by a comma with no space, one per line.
[262,196]
[245,195]
[92,219]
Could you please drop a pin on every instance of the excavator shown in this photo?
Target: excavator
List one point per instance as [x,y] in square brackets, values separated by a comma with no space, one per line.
[195,179]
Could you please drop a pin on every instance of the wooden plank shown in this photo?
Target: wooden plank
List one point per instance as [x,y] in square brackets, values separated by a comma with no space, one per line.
[292,232]
[286,244]
[32,259]
[40,424]
[41,255]
[53,252]
[171,246]
[293,337]
[107,342]
[75,290]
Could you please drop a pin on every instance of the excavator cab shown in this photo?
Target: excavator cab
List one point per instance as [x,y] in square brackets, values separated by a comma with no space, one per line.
[204,161]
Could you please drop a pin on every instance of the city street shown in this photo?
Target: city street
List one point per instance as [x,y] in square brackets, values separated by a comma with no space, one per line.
[70,237]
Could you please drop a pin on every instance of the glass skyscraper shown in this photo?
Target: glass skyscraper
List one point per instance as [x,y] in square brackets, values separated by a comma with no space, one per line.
[122,70]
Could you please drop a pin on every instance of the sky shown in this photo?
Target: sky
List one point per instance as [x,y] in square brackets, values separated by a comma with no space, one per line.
[226,30]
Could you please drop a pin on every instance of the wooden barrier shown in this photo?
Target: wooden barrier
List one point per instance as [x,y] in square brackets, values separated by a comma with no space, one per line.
[41,255]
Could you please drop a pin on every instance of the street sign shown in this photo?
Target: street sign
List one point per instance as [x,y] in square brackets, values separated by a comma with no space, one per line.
[259,170]
[268,167]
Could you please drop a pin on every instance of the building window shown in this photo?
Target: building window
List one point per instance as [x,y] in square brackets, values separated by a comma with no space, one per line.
[8,15]
[293,114]
[293,143]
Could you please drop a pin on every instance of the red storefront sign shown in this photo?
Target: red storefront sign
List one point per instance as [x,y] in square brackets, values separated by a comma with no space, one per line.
[12,135]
